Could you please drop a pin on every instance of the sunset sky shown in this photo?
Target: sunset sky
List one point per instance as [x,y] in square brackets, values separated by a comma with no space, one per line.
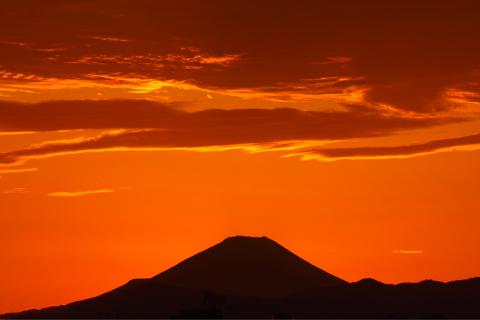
[134,134]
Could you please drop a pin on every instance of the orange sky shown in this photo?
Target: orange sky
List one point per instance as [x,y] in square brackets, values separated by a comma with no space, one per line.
[133,135]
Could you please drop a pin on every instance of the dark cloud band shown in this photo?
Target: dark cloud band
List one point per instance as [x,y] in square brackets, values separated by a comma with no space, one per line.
[398,151]
[156,125]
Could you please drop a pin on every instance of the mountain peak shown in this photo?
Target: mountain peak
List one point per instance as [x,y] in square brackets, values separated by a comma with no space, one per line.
[241,265]
[249,241]
[246,238]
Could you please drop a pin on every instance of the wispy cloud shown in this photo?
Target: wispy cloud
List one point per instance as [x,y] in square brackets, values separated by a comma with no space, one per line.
[16,191]
[107,38]
[4,171]
[471,142]
[402,251]
[79,193]
[16,133]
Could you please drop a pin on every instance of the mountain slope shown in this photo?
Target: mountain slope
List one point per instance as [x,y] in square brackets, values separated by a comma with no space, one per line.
[248,266]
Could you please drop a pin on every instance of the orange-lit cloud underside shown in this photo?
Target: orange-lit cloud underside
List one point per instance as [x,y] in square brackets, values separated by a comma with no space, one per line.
[195,84]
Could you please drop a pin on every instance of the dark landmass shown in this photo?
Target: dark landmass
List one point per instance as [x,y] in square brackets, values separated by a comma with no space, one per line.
[246,277]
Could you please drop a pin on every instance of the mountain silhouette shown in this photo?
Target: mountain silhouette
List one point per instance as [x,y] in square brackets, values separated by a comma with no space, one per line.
[243,266]
[249,277]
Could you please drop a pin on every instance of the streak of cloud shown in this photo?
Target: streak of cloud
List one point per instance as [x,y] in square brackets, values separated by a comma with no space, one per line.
[22,170]
[402,251]
[69,194]
[471,142]
[16,191]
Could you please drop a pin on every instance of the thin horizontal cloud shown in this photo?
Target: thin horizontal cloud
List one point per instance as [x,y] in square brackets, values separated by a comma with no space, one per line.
[471,142]
[106,38]
[16,191]
[16,133]
[69,194]
[22,170]
[150,125]
[402,251]
[159,62]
